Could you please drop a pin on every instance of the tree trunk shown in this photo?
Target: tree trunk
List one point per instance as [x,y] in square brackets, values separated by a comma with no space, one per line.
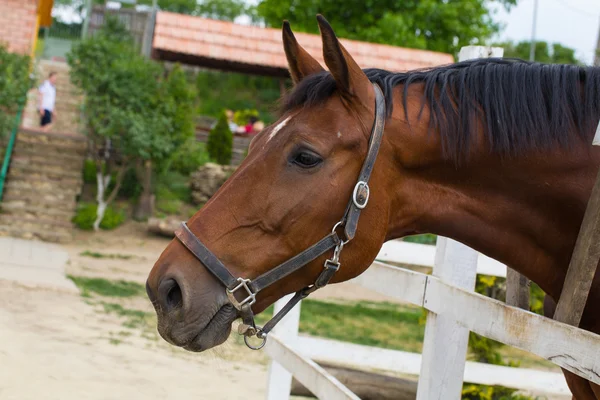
[366,385]
[102,182]
[145,207]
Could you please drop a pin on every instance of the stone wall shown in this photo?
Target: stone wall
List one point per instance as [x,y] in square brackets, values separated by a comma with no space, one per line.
[18,24]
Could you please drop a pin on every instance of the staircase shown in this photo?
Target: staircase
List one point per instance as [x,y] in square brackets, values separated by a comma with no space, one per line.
[43,182]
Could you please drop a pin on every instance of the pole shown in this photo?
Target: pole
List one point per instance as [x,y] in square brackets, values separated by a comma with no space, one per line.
[532,44]
[86,18]
[597,55]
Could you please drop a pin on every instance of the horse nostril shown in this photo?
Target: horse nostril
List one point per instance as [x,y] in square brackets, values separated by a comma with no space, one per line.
[174,297]
[170,294]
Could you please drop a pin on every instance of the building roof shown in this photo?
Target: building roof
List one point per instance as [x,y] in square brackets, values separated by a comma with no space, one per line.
[250,49]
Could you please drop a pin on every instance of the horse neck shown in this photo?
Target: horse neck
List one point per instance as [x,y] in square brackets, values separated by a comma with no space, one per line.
[523,211]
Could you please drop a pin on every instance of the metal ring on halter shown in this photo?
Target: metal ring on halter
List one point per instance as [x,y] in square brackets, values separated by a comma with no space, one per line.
[343,242]
[260,335]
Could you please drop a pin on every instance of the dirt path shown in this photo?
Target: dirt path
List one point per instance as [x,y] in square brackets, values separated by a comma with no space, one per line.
[55,346]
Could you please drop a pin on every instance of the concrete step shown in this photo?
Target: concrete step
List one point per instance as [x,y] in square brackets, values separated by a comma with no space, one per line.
[32,231]
[42,186]
[20,220]
[65,143]
[54,170]
[17,207]
[40,157]
[28,197]
[23,173]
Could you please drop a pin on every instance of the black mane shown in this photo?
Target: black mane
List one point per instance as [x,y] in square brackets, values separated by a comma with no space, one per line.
[523,106]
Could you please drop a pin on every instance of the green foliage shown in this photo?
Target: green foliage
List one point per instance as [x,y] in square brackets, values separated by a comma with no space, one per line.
[127,98]
[86,215]
[172,192]
[554,53]
[216,89]
[242,117]
[130,187]
[226,10]
[438,25]
[427,238]
[220,142]
[14,83]
[189,157]
[483,392]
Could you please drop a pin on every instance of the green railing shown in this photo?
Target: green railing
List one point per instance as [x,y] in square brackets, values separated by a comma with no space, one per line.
[9,149]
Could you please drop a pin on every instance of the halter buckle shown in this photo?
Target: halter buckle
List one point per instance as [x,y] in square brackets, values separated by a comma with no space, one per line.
[360,195]
[251,299]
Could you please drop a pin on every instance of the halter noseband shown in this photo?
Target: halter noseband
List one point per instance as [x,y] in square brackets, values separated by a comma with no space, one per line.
[346,226]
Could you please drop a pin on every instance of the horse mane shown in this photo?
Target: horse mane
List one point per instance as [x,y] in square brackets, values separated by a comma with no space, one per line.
[522,106]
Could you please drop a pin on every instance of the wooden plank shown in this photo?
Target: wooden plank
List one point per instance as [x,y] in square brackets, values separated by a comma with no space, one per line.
[584,261]
[517,289]
[279,381]
[399,283]
[400,252]
[309,373]
[446,341]
[572,348]
[366,384]
[401,362]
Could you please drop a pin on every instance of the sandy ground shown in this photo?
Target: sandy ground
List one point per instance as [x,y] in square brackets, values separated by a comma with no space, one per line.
[55,345]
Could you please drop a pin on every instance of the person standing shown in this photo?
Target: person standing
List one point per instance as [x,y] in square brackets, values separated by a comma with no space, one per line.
[47,96]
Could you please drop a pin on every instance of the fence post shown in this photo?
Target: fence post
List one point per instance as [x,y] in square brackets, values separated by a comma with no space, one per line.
[446,341]
[279,383]
[445,344]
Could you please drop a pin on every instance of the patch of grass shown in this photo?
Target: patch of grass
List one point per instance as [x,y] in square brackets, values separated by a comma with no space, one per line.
[133,319]
[427,238]
[105,287]
[95,254]
[115,341]
[383,325]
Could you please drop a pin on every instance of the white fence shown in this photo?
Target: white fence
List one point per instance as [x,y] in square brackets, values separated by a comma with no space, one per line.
[454,311]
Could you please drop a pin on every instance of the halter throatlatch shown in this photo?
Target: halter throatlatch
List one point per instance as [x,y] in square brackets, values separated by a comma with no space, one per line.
[342,233]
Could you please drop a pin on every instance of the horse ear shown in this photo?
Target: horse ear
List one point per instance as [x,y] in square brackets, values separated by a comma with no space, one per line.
[301,64]
[349,77]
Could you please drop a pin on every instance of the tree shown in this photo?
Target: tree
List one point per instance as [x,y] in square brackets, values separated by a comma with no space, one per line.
[220,141]
[226,10]
[130,109]
[554,53]
[438,25]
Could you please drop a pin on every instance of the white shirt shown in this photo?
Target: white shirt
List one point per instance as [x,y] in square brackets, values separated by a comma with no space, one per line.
[49,95]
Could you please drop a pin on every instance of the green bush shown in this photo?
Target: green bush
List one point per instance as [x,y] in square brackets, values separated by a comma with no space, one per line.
[242,117]
[86,215]
[220,142]
[483,392]
[14,83]
[189,157]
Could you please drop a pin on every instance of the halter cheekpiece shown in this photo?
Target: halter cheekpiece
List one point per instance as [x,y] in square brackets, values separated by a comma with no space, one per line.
[342,233]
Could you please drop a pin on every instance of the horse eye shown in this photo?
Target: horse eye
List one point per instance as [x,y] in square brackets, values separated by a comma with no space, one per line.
[306,159]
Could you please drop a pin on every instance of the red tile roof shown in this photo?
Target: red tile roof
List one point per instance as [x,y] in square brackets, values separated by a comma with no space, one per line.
[222,44]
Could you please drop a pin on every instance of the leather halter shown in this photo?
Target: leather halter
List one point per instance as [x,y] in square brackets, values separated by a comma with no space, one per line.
[336,241]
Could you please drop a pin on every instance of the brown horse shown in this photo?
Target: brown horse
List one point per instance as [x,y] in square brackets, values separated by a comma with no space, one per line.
[493,153]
